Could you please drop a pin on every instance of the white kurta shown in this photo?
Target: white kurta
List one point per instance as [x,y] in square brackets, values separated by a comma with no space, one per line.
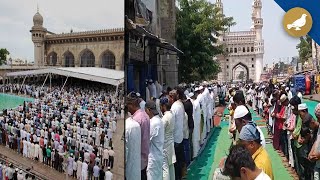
[70,165]
[196,131]
[169,156]
[155,158]
[84,171]
[36,150]
[178,111]
[133,149]
[203,108]
[79,168]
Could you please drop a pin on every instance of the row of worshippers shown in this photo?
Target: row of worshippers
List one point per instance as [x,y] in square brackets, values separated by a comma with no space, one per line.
[163,135]
[8,172]
[247,134]
[294,130]
[78,123]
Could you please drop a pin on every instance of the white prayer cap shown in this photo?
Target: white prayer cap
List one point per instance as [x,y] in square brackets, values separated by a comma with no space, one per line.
[231,100]
[200,88]
[190,95]
[287,88]
[186,92]
[302,106]
[20,172]
[283,98]
[196,89]
[240,112]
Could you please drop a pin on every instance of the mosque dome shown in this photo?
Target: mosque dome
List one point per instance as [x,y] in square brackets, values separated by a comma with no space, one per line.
[37,19]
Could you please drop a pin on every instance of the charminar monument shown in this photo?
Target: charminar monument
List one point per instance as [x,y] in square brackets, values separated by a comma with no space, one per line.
[244,50]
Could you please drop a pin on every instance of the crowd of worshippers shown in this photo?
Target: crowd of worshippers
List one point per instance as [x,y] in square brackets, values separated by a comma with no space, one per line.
[70,130]
[8,171]
[165,133]
[293,130]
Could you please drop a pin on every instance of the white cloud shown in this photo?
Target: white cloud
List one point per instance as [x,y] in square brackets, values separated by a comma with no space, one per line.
[59,16]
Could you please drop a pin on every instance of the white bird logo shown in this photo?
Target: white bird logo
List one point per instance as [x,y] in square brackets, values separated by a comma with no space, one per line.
[298,23]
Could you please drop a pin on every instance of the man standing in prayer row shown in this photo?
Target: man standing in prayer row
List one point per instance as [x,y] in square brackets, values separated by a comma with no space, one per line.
[169,156]
[142,118]
[155,159]
[178,111]
[133,149]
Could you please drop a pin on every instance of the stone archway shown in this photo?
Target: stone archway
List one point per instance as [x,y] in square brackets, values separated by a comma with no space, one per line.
[52,59]
[87,59]
[68,59]
[108,60]
[240,72]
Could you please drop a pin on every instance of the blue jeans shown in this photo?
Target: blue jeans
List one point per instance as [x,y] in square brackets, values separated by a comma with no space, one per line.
[186,149]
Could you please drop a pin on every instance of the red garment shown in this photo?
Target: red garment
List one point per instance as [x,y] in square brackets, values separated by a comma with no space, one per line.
[280,118]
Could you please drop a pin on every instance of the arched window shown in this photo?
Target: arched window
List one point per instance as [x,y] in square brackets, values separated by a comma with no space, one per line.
[235,50]
[248,49]
[68,59]
[87,59]
[243,49]
[252,49]
[108,60]
[52,59]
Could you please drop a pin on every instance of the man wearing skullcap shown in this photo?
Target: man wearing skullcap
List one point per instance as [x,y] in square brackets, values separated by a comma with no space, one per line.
[280,123]
[242,117]
[169,157]
[250,138]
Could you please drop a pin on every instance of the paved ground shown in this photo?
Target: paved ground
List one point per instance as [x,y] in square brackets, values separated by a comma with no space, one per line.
[118,147]
[37,167]
[51,174]
[314,97]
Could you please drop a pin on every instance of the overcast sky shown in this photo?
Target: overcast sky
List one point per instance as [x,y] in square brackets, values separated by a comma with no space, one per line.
[59,16]
[277,43]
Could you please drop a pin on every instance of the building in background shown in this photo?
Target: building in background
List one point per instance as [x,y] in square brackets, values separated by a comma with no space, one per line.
[99,48]
[245,49]
[150,28]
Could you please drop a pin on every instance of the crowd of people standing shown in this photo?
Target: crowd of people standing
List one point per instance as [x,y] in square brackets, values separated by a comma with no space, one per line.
[290,124]
[69,130]
[165,131]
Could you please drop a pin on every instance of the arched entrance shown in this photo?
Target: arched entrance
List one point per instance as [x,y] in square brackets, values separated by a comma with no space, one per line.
[240,72]
[68,59]
[52,59]
[108,60]
[87,59]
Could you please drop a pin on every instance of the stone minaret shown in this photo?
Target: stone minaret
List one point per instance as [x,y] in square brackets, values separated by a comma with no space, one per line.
[38,35]
[259,43]
[219,5]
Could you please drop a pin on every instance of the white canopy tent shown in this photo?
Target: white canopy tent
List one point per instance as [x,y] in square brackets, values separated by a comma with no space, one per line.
[102,75]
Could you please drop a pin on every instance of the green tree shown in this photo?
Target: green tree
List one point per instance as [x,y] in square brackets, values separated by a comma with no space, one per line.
[305,48]
[3,56]
[198,24]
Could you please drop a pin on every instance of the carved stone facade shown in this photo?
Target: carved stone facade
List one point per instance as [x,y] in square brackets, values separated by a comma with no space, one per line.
[244,49]
[100,48]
